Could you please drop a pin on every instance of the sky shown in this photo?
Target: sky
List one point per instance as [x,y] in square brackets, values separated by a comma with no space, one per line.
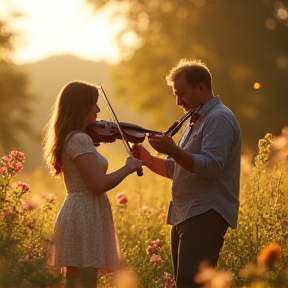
[56,27]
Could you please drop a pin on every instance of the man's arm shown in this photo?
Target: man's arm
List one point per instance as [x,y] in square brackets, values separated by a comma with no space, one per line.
[165,144]
[155,164]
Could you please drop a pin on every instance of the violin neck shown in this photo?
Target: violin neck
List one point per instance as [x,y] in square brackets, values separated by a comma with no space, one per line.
[178,124]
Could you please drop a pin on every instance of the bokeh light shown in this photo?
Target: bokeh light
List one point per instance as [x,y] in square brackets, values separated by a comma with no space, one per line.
[257,85]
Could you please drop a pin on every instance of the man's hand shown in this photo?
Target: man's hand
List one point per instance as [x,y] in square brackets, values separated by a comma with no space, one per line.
[141,153]
[155,164]
[162,143]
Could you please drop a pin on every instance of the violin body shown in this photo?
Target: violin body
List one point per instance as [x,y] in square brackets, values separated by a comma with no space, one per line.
[103,131]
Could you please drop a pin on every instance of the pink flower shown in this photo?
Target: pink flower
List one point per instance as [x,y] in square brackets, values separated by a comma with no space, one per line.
[167,276]
[122,199]
[169,281]
[25,187]
[154,246]
[18,167]
[12,163]
[51,198]
[6,159]
[156,259]
[168,284]
[19,156]
[151,250]
[3,170]
[28,206]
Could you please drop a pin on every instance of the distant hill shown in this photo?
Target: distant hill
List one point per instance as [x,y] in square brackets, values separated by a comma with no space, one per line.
[48,76]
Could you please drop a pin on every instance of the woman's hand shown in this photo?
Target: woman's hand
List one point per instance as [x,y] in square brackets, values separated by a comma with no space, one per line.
[133,164]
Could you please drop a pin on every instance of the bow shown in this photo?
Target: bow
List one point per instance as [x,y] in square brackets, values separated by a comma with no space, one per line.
[117,123]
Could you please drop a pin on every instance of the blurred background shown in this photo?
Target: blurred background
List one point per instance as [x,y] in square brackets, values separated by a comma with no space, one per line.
[129,47]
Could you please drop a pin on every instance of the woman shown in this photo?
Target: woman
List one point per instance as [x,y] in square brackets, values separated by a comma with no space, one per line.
[84,238]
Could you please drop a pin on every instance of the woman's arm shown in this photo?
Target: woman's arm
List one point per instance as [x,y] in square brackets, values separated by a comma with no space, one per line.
[96,180]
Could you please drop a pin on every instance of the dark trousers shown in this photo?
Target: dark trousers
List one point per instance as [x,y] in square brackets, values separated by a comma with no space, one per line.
[199,238]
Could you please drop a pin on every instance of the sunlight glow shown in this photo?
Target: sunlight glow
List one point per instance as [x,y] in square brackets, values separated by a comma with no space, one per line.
[53,27]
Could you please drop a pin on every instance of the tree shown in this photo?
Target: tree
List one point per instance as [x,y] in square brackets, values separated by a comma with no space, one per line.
[14,97]
[242,42]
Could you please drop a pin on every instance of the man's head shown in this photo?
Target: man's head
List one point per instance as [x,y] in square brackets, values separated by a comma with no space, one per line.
[191,82]
[194,71]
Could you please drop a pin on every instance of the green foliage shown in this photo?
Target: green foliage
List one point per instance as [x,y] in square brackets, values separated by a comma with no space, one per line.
[145,243]
[144,237]
[15,108]
[254,255]
[263,218]
[25,229]
[242,42]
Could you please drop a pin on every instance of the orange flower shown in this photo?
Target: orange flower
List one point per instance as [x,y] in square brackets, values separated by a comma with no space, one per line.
[270,255]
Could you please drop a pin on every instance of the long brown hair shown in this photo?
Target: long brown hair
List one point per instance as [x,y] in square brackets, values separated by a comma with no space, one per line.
[68,114]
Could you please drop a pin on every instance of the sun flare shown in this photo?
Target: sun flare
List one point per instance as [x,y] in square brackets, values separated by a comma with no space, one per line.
[51,27]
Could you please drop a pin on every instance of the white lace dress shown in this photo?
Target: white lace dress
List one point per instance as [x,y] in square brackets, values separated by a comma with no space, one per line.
[84,233]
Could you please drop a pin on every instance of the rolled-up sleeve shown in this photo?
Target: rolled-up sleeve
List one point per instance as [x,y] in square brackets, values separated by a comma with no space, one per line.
[216,145]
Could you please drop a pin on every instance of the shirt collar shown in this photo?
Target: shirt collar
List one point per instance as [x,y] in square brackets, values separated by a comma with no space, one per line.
[209,105]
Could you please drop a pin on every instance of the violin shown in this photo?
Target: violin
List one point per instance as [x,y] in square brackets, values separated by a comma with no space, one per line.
[103,131]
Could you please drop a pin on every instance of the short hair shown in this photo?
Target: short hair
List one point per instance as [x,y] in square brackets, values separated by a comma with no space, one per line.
[195,72]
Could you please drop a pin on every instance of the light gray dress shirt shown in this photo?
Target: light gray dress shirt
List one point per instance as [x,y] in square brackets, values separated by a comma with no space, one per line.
[215,142]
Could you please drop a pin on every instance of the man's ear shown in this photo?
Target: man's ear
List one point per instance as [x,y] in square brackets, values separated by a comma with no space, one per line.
[201,87]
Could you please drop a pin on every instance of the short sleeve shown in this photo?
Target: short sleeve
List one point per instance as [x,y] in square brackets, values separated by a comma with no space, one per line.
[79,143]
[170,165]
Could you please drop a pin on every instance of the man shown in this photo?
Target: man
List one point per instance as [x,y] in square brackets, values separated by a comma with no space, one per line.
[205,170]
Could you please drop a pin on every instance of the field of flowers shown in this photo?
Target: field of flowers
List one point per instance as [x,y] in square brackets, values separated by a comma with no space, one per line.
[254,255]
